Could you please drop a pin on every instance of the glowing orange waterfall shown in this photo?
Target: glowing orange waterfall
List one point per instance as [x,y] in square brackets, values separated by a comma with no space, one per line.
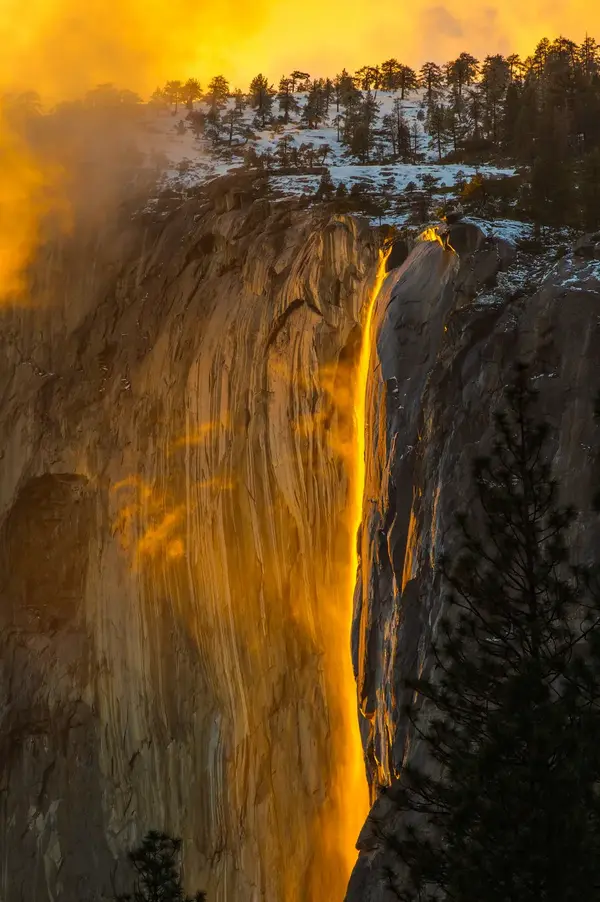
[357,785]
[432,234]
[360,398]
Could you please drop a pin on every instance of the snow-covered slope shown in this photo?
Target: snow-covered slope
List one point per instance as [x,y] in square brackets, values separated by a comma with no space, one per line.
[188,161]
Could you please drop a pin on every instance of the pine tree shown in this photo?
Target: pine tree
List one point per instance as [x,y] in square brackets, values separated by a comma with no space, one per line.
[390,74]
[213,125]
[526,128]
[158,877]
[560,74]
[313,113]
[540,56]
[462,72]
[586,120]
[389,133]
[286,99]
[159,98]
[402,133]
[414,140]
[589,58]
[338,124]
[552,192]
[495,79]
[546,105]
[508,807]
[326,188]
[437,126]
[239,99]
[515,67]
[306,154]
[396,132]
[369,78]
[454,127]
[173,92]
[509,117]
[283,150]
[191,91]
[231,119]
[298,78]
[431,78]
[218,92]
[197,120]
[323,152]
[328,91]
[359,126]
[407,81]
[345,92]
[261,98]
[589,190]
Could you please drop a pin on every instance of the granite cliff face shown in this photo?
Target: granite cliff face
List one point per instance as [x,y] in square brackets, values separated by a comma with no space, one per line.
[175,595]
[176,434]
[450,328]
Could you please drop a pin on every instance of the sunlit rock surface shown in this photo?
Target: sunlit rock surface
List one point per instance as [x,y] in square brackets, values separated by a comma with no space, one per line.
[449,331]
[176,433]
[175,615]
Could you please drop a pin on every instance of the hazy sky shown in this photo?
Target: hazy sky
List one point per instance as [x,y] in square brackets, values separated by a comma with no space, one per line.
[63,46]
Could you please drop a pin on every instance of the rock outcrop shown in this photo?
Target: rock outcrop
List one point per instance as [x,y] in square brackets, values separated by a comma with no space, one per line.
[174,602]
[450,329]
[175,596]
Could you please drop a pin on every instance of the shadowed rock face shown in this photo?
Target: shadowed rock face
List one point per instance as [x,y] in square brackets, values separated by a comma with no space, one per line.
[175,427]
[172,538]
[446,346]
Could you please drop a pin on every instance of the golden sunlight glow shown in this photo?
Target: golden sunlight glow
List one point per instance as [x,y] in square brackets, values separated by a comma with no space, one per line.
[61,48]
[28,191]
[360,395]
[198,436]
[432,234]
[146,522]
[357,472]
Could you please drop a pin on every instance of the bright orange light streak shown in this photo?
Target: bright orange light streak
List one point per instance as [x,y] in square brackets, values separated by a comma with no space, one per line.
[357,783]
[432,234]
[360,402]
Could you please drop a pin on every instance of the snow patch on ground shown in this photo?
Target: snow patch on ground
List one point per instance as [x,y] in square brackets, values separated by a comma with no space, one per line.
[506,229]
[188,161]
[576,274]
[393,177]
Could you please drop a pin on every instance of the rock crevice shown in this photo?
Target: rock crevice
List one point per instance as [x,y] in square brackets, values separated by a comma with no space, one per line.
[447,344]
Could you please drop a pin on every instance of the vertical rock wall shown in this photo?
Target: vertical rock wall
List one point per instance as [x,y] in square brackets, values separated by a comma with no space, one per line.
[174,425]
[449,332]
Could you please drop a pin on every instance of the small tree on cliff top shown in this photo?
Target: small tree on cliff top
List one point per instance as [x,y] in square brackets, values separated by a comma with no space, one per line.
[158,876]
[509,808]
